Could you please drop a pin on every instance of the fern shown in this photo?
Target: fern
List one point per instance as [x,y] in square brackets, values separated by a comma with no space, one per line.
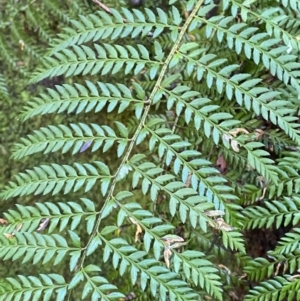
[175,129]
[45,285]
[3,87]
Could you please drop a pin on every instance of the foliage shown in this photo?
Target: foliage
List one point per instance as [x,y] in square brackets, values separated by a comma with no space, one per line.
[174,129]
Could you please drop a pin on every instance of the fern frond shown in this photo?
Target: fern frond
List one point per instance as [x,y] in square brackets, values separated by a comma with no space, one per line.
[259,268]
[203,176]
[245,89]
[279,140]
[271,18]
[96,285]
[237,161]
[274,213]
[205,115]
[149,271]
[290,181]
[26,45]
[64,138]
[3,87]
[199,270]
[55,8]
[80,98]
[59,216]
[36,247]
[258,159]
[272,289]
[293,4]
[102,26]
[103,60]
[288,186]
[189,202]
[203,108]
[147,222]
[10,60]
[233,240]
[288,243]
[35,21]
[257,46]
[35,287]
[53,178]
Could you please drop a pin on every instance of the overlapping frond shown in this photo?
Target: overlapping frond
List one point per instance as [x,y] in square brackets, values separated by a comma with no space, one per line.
[161,280]
[186,198]
[199,270]
[152,228]
[198,171]
[203,105]
[260,47]
[194,107]
[245,90]
[96,286]
[271,18]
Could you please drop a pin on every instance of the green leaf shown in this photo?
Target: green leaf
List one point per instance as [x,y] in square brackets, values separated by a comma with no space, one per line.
[75,239]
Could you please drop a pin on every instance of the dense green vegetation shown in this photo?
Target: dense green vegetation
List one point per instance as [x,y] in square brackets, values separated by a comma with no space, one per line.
[149,150]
